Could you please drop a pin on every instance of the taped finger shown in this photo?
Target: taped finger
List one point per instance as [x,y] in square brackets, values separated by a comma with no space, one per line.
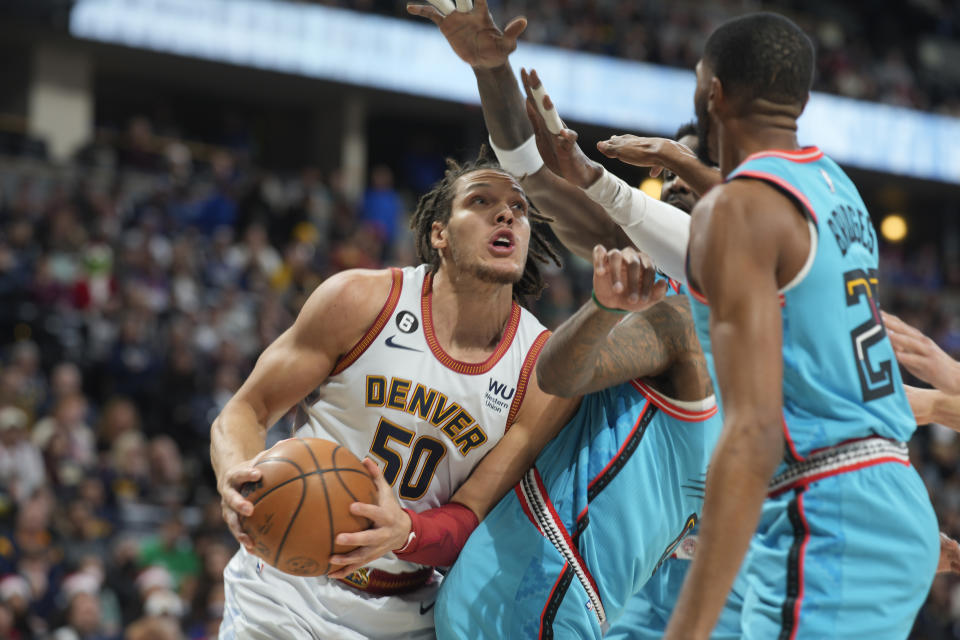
[445,7]
[550,115]
[466,6]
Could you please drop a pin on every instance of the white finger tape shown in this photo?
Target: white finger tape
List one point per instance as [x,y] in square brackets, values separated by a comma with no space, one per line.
[465,5]
[550,116]
[443,6]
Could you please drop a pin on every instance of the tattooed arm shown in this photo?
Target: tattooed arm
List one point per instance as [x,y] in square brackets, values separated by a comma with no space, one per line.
[597,348]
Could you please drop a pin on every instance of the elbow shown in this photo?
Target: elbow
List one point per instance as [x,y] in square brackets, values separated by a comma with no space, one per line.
[758,437]
[551,382]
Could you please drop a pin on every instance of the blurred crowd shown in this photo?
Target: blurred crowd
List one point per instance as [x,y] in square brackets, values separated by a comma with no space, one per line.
[137,287]
[888,51]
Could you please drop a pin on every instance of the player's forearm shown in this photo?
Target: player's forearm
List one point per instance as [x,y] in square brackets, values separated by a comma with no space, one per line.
[656,228]
[947,377]
[740,472]
[946,409]
[236,435]
[498,472]
[697,175]
[568,363]
[541,417]
[579,222]
[503,106]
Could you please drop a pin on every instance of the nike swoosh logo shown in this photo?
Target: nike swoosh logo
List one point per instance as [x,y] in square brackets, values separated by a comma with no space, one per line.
[424,610]
[391,343]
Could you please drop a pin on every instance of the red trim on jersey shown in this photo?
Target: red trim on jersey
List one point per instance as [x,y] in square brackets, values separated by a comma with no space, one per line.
[379,322]
[783,184]
[563,530]
[522,499]
[528,364]
[468,368]
[800,563]
[806,480]
[807,154]
[790,445]
[702,299]
[378,582]
[625,442]
[669,408]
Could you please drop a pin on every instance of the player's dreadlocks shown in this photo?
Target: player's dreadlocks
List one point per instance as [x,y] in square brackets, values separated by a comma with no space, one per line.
[436,206]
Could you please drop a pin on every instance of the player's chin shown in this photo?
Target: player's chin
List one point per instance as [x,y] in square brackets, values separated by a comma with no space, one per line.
[500,272]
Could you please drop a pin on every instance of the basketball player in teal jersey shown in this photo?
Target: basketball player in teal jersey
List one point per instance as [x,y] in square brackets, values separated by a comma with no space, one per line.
[811,473]
[568,552]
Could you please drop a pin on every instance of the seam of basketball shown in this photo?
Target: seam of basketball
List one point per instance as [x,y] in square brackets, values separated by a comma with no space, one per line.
[333,466]
[293,518]
[302,475]
[316,464]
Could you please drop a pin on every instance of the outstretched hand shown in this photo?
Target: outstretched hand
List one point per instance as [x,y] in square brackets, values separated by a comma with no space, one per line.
[644,152]
[625,279]
[391,527]
[471,31]
[557,144]
[922,356]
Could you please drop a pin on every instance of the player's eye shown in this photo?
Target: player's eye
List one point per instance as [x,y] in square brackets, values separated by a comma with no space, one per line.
[520,206]
[478,200]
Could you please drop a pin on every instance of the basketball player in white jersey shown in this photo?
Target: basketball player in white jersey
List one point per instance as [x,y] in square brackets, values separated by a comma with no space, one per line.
[423,370]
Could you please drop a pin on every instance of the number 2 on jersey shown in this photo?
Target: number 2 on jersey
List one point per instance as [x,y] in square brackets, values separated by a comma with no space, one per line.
[427,450]
[875,381]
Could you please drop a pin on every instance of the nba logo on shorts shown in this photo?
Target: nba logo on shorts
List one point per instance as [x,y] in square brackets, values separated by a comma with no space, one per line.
[259,567]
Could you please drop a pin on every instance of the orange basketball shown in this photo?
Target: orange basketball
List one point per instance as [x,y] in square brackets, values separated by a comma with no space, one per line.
[302,501]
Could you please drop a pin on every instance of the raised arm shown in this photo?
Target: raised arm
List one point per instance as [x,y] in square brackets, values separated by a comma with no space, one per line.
[734,258]
[475,38]
[656,228]
[659,154]
[332,320]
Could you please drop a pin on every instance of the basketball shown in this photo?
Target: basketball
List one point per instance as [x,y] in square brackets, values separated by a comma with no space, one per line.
[302,501]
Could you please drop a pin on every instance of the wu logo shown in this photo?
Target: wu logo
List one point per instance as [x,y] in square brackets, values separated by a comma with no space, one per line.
[501,390]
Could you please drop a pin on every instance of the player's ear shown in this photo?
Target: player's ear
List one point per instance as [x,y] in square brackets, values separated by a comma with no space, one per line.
[438,235]
[716,100]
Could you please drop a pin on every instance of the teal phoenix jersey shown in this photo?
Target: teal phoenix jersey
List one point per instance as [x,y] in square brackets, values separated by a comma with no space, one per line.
[840,377]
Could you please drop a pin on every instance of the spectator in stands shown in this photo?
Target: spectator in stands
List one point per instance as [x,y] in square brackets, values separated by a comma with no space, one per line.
[21,465]
[382,207]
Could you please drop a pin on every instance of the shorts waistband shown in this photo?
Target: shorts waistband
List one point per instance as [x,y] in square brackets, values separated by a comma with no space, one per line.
[841,458]
[383,583]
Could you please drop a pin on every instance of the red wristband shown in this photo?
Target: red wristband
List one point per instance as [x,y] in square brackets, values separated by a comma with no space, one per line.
[437,535]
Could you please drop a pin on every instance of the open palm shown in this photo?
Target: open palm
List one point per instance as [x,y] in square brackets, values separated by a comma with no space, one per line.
[473,35]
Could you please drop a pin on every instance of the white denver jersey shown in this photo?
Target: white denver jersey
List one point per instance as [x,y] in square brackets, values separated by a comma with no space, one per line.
[424,417]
